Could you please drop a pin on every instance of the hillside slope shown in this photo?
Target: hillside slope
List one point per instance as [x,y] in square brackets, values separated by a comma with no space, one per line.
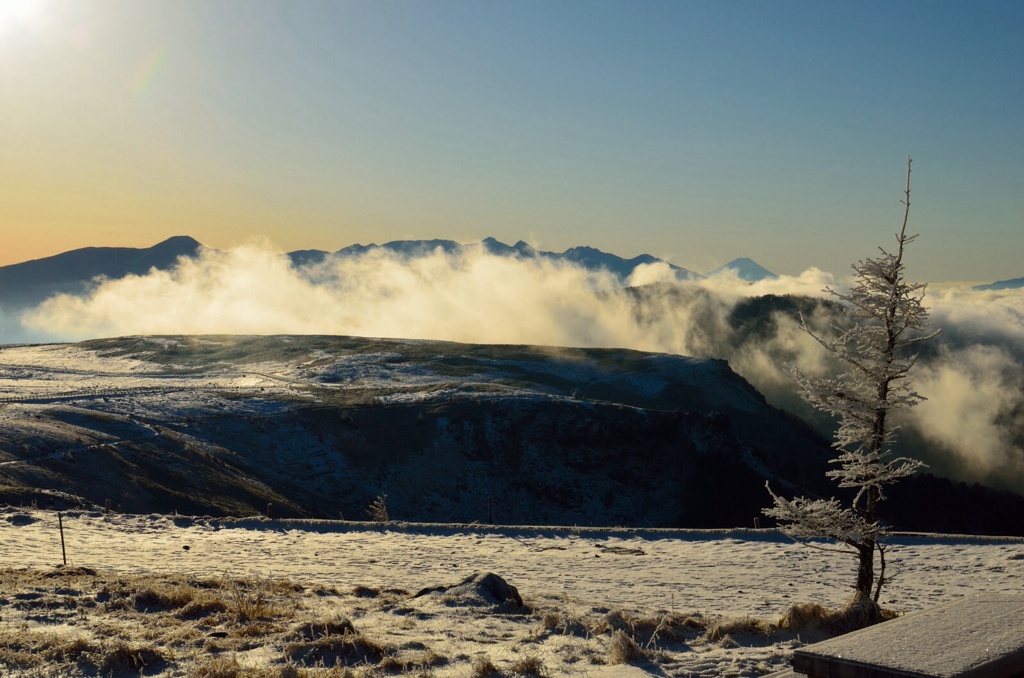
[319,426]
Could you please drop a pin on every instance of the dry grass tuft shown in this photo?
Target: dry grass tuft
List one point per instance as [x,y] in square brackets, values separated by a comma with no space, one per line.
[649,632]
[698,622]
[727,642]
[415,666]
[258,629]
[228,667]
[750,626]
[360,591]
[218,667]
[122,657]
[170,597]
[528,666]
[70,572]
[252,599]
[21,650]
[347,649]
[799,616]
[619,620]
[616,620]
[430,658]
[201,609]
[74,651]
[313,631]
[622,649]
[483,667]
[565,624]
[814,618]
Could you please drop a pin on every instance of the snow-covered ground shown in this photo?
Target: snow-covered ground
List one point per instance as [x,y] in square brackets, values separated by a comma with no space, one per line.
[67,370]
[32,372]
[579,584]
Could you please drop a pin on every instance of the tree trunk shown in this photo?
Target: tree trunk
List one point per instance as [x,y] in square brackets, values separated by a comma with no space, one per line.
[866,548]
[865,568]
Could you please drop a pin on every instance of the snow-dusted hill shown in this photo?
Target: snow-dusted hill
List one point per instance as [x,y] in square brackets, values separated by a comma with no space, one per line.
[319,426]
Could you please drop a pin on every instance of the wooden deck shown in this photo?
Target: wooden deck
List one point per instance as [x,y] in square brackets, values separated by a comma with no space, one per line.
[980,636]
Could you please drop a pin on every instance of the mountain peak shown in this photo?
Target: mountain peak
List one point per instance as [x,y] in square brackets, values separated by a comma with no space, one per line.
[28,283]
[172,248]
[583,250]
[745,269]
[415,248]
[179,241]
[524,248]
[495,246]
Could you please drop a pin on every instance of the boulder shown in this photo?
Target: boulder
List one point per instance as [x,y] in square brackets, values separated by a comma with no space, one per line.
[481,588]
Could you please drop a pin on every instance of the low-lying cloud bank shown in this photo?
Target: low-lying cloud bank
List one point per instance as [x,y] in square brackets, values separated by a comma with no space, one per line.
[972,425]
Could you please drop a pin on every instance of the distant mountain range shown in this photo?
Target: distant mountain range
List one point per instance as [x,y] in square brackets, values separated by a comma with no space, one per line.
[1013,284]
[589,257]
[78,271]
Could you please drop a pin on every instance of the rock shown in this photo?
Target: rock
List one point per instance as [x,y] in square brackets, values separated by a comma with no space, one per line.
[479,589]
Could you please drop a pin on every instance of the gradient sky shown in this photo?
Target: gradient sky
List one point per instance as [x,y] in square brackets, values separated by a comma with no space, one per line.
[695,131]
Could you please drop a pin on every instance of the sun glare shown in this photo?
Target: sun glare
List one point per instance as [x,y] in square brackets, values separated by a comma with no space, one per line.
[18,15]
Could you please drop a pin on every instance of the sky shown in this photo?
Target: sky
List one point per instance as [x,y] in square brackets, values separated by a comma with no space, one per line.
[694,131]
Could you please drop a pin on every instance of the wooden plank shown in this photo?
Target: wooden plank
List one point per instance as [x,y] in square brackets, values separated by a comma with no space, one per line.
[980,636]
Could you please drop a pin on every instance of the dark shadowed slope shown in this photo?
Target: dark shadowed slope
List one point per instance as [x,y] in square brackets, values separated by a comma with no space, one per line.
[320,426]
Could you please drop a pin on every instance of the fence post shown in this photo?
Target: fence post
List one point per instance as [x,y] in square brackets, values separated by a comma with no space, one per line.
[60,525]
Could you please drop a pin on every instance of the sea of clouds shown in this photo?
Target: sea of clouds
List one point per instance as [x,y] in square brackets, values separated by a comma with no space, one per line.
[971,426]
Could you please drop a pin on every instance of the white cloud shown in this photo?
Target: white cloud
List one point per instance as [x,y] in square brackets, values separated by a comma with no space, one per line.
[975,409]
[650,274]
[250,290]
[974,384]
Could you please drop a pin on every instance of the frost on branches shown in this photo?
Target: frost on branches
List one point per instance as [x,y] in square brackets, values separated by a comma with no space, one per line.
[886,319]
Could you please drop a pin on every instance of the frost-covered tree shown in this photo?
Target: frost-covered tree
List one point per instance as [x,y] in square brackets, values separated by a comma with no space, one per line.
[885,318]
